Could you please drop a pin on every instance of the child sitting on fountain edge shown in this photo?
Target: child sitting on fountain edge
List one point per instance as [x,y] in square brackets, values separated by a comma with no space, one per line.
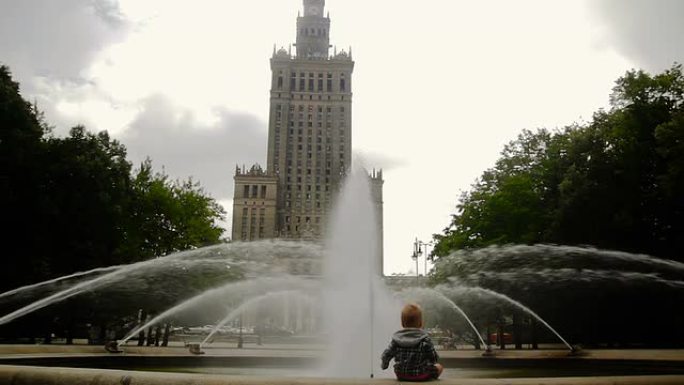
[415,358]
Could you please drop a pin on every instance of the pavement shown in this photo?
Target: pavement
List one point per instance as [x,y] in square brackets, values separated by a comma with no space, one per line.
[17,375]
[298,350]
[12,374]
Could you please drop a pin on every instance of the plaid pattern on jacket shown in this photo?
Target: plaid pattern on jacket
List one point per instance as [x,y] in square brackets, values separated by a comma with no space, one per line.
[412,351]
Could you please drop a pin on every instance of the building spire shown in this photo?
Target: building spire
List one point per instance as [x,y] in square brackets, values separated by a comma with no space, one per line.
[313,31]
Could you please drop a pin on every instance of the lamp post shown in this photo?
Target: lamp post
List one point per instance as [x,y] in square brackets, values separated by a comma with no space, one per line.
[415,256]
[418,251]
[240,341]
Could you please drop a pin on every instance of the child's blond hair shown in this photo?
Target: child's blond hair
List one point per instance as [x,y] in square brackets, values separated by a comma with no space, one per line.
[412,316]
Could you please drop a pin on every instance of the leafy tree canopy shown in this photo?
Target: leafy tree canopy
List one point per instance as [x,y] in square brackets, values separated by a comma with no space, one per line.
[615,182]
[75,203]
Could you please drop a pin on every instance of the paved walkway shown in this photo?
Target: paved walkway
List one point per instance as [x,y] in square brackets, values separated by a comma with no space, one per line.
[11,375]
[28,375]
[283,350]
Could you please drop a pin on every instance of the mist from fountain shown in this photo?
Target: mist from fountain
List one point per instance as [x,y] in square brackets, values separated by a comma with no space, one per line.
[217,296]
[573,276]
[463,290]
[252,302]
[420,295]
[255,258]
[360,313]
[553,257]
[29,288]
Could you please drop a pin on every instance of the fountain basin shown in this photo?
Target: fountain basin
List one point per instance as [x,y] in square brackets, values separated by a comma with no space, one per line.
[293,366]
[28,375]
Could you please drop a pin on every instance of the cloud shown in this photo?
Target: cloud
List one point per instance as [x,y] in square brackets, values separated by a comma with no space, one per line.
[57,39]
[49,45]
[651,33]
[185,147]
[374,160]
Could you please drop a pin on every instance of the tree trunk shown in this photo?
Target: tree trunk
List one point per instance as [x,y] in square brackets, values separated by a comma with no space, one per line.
[500,336]
[48,338]
[165,338]
[488,336]
[157,335]
[150,336]
[103,334]
[69,334]
[517,332]
[141,335]
[533,333]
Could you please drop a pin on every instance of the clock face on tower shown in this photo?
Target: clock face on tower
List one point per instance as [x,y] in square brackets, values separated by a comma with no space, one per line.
[313,11]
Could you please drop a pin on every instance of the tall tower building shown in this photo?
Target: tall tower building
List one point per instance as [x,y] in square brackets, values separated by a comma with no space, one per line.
[309,136]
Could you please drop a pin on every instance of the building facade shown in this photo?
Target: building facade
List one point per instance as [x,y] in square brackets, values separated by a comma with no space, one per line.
[309,136]
[254,204]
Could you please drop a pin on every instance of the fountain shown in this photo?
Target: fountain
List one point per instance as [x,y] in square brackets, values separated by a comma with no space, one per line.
[357,312]
[421,295]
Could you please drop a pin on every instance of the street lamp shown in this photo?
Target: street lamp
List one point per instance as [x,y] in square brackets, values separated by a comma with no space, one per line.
[418,251]
[415,255]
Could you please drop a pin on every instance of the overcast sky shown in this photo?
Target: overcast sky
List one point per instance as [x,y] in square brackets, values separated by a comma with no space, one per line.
[440,85]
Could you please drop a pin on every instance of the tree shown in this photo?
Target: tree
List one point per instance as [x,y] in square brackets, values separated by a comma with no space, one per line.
[614,182]
[73,204]
[169,216]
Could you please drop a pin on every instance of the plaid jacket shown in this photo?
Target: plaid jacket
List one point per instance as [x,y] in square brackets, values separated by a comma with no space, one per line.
[412,351]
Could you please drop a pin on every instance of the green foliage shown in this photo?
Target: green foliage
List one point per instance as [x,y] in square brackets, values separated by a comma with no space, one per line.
[72,203]
[615,182]
[171,216]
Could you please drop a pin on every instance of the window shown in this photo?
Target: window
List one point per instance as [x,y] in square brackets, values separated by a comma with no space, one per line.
[263,191]
[245,193]
[343,83]
[255,191]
